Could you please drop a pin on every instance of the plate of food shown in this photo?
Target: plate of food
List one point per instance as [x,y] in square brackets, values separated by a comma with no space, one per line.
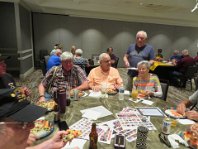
[42,128]
[111,91]
[71,134]
[173,113]
[80,94]
[49,105]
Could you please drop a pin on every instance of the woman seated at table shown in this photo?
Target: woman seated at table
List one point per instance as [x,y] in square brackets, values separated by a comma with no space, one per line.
[146,83]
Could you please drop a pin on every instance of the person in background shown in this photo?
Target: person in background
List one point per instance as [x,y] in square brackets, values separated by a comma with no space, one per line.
[159,56]
[16,121]
[56,46]
[136,53]
[182,65]
[54,60]
[79,60]
[176,56]
[192,104]
[112,56]
[196,58]
[67,75]
[147,83]
[73,50]
[6,80]
[104,74]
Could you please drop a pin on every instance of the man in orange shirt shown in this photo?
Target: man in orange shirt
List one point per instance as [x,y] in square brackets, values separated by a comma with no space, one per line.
[104,74]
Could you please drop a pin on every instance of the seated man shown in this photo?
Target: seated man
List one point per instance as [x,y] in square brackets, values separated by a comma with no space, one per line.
[159,56]
[54,60]
[66,75]
[177,77]
[6,80]
[196,58]
[79,60]
[191,102]
[146,82]
[176,56]
[16,121]
[104,74]
[112,56]
[56,46]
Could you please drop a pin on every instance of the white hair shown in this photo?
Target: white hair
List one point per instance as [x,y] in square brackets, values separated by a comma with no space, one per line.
[146,63]
[66,56]
[79,51]
[185,52]
[142,33]
[102,56]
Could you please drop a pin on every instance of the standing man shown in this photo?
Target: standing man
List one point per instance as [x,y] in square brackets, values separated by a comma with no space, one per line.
[136,53]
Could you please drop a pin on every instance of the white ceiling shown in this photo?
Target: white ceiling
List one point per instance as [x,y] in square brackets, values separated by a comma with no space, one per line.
[171,12]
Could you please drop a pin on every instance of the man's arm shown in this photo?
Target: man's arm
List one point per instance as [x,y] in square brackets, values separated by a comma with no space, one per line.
[83,86]
[181,108]
[41,90]
[125,59]
[56,142]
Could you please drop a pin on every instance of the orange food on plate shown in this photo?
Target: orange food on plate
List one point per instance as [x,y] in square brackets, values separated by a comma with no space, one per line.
[175,113]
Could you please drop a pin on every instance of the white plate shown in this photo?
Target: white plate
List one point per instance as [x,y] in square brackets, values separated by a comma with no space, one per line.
[170,113]
[43,133]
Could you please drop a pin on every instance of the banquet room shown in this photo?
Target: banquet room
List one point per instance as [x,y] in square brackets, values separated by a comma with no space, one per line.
[32,30]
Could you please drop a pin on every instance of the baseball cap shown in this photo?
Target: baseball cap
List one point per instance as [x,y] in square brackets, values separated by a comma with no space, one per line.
[20,111]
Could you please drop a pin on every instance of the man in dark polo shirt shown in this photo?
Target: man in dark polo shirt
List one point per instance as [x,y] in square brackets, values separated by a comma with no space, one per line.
[182,66]
[136,53]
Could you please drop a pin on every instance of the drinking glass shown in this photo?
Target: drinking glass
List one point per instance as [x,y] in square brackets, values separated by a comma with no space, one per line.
[134,94]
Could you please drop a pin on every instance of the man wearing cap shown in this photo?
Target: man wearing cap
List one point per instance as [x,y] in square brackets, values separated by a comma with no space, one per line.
[16,120]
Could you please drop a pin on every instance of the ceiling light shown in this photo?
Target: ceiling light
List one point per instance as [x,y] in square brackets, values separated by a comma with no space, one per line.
[196,6]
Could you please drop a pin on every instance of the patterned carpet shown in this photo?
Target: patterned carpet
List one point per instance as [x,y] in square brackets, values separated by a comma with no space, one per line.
[175,95]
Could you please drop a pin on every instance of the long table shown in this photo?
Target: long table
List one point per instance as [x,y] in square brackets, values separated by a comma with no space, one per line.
[113,104]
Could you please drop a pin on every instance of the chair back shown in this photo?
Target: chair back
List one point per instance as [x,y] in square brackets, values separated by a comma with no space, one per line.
[165,87]
[115,65]
[190,72]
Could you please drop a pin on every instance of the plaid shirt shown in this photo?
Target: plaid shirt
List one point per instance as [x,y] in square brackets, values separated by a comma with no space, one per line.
[72,79]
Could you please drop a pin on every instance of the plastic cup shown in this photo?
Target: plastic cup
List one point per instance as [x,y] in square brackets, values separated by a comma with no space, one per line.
[134,94]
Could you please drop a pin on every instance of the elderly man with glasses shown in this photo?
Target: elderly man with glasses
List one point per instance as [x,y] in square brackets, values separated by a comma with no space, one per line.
[104,74]
[16,121]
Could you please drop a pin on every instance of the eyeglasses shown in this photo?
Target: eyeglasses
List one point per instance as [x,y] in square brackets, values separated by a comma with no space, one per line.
[23,124]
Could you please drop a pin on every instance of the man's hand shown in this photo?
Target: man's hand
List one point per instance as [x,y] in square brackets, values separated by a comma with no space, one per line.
[126,64]
[181,108]
[193,115]
[56,142]
[31,139]
[96,88]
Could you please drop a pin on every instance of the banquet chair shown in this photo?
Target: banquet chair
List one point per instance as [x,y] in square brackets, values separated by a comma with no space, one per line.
[165,87]
[190,74]
[115,65]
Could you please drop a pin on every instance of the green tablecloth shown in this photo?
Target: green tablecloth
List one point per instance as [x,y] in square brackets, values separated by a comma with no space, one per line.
[113,104]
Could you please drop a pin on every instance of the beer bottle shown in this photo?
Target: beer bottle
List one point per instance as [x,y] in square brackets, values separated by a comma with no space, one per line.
[93,137]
